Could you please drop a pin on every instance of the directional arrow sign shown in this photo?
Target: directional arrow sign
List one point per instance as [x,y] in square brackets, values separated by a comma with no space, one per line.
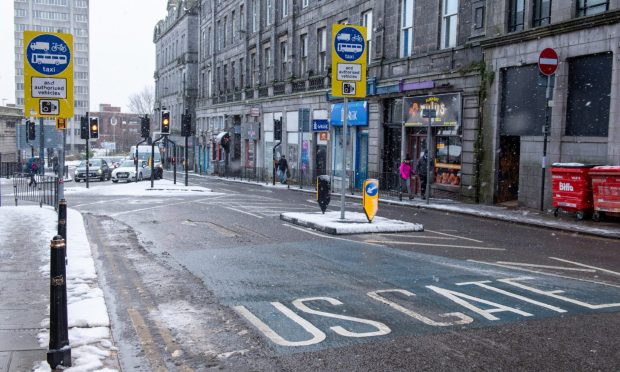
[548,61]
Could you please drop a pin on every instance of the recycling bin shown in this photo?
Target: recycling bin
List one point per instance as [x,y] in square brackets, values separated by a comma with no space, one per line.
[606,191]
[571,187]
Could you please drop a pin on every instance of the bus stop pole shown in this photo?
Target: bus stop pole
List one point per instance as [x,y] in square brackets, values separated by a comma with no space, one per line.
[345,117]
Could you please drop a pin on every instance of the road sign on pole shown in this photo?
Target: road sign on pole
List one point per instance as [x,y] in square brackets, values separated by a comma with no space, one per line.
[48,74]
[548,61]
[349,61]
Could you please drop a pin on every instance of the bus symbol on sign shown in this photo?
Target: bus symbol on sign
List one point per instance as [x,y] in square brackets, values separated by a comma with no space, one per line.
[48,54]
[349,44]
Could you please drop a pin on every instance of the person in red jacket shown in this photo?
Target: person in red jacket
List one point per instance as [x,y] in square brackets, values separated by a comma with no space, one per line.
[405,175]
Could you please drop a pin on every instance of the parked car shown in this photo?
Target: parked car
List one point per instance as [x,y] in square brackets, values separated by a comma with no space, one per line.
[127,172]
[98,169]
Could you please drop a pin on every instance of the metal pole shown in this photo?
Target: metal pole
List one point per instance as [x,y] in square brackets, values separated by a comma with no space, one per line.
[185,161]
[174,164]
[345,117]
[545,133]
[41,148]
[59,349]
[62,222]
[61,168]
[87,161]
[152,164]
[429,139]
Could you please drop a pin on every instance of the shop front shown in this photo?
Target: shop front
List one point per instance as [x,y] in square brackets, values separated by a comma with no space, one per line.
[357,140]
[446,136]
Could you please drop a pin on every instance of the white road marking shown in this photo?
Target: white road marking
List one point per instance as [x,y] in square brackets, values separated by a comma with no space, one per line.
[584,265]
[433,245]
[85,204]
[484,284]
[545,273]
[545,266]
[154,207]
[317,335]
[454,236]
[414,236]
[244,212]
[325,236]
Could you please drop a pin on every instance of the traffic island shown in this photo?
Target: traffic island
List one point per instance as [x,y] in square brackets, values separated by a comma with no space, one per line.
[354,223]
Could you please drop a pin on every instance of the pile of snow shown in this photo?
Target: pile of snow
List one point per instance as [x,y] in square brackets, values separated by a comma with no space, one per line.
[160,188]
[354,223]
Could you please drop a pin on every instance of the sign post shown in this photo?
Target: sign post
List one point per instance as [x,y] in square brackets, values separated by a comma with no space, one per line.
[348,80]
[547,64]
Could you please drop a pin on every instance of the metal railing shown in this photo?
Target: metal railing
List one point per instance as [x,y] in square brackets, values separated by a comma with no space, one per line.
[36,188]
[316,82]
[299,86]
[9,168]
[279,89]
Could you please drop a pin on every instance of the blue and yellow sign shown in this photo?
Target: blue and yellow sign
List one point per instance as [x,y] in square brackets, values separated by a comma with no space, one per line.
[370,198]
[48,74]
[348,61]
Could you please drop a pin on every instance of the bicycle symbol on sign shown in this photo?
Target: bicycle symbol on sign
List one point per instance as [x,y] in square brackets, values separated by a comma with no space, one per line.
[59,47]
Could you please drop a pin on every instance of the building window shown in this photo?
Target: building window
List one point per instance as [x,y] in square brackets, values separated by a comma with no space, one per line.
[269,10]
[284,8]
[242,25]
[233,25]
[589,88]
[208,41]
[406,28]
[283,60]
[522,101]
[20,12]
[81,18]
[267,63]
[224,31]
[304,3]
[253,68]
[542,13]
[449,23]
[80,3]
[209,83]
[233,76]
[254,15]
[225,78]
[591,7]
[321,38]
[303,53]
[516,13]
[367,22]
[241,73]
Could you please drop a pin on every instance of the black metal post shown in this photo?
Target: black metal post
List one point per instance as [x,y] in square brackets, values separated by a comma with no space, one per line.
[174,161]
[41,147]
[62,221]
[59,349]
[186,164]
[274,161]
[87,161]
[545,134]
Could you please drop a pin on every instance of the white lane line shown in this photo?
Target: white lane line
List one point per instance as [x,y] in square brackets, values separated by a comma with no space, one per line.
[544,273]
[584,265]
[99,202]
[545,266]
[244,212]
[454,236]
[434,245]
[322,235]
[154,207]
[414,236]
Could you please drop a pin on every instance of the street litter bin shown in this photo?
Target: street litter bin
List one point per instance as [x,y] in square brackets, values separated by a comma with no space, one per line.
[571,187]
[606,191]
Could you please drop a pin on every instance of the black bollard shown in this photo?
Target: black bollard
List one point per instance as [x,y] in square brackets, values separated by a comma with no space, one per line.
[59,350]
[62,222]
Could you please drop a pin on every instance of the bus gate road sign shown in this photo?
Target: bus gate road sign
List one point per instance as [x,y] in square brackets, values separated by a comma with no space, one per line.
[48,74]
[349,59]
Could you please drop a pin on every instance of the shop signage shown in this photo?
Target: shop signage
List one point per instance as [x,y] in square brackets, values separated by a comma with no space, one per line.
[320,125]
[358,114]
[447,110]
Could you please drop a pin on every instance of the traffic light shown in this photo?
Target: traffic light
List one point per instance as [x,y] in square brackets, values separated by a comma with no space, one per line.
[145,126]
[30,130]
[84,127]
[165,122]
[94,128]
[277,129]
[186,125]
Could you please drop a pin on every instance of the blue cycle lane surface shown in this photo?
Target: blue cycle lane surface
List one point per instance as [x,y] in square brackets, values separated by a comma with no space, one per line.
[319,294]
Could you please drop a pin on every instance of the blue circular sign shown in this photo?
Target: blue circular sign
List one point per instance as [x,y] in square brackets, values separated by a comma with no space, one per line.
[48,54]
[349,44]
[372,188]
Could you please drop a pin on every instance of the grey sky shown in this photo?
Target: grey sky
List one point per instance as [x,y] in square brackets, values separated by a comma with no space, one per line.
[122,53]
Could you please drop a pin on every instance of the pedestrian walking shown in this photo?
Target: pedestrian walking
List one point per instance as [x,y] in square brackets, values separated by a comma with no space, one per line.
[34,167]
[421,170]
[406,172]
[283,171]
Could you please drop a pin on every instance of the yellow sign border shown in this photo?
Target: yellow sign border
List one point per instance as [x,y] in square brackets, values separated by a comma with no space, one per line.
[337,85]
[32,104]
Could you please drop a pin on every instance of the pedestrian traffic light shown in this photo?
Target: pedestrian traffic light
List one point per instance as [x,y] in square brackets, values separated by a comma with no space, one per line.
[94,128]
[30,130]
[84,127]
[186,125]
[145,126]
[165,122]
[277,129]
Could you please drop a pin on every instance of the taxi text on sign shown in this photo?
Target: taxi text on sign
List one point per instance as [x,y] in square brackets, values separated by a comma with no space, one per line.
[48,74]
[370,198]
[348,61]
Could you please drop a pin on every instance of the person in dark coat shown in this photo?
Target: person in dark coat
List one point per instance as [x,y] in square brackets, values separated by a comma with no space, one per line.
[421,170]
[282,169]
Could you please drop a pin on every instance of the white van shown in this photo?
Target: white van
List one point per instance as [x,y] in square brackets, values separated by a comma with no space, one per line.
[144,154]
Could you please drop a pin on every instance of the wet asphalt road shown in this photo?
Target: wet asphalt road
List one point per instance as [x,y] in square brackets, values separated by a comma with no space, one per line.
[204,282]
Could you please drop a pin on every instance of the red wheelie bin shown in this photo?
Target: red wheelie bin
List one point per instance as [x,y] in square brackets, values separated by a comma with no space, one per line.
[606,190]
[571,187]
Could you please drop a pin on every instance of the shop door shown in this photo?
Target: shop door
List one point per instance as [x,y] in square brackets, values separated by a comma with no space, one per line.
[361,159]
[391,157]
[508,174]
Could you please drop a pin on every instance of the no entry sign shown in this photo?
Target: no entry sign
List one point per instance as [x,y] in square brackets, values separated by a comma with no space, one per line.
[548,61]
